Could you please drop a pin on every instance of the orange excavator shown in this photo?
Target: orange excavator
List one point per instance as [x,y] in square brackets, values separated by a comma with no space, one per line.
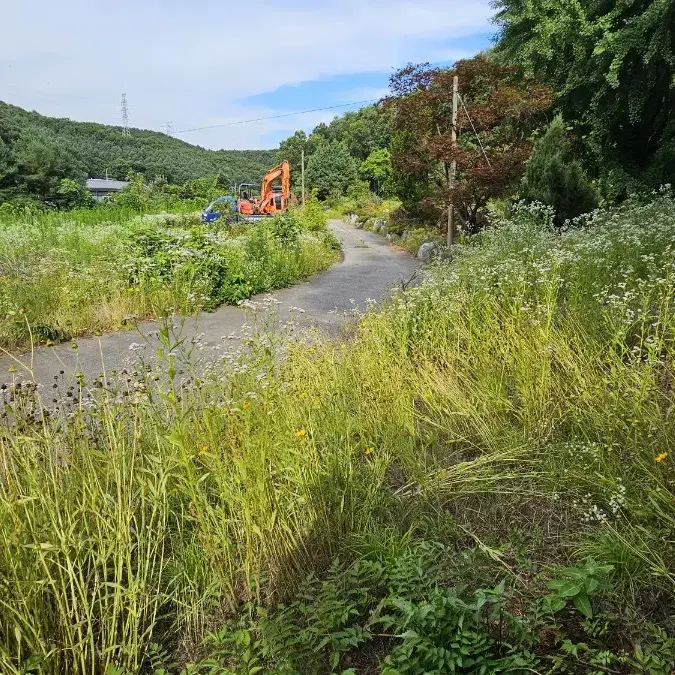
[275,197]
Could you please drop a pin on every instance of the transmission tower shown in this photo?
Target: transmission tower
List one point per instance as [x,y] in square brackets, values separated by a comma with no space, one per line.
[125,117]
[169,128]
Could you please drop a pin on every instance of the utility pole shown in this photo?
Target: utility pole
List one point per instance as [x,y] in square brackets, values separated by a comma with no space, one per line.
[303,176]
[453,165]
[125,117]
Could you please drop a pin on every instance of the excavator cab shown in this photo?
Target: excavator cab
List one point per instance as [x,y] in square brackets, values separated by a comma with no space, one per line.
[248,199]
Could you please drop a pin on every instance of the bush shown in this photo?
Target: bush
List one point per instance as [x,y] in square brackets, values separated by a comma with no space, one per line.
[60,278]
[312,215]
[554,178]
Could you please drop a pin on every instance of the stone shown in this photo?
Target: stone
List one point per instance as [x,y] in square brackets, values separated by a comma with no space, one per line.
[406,234]
[426,251]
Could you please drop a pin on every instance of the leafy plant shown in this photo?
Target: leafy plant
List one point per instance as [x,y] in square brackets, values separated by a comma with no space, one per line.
[576,585]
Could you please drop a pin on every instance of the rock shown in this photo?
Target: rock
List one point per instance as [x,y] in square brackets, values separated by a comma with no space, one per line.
[393,238]
[426,251]
[406,234]
[374,226]
[352,218]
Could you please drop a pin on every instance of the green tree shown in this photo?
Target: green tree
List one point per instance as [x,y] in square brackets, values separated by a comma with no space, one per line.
[555,178]
[71,194]
[42,160]
[612,65]
[6,170]
[377,170]
[331,170]
[43,150]
[291,150]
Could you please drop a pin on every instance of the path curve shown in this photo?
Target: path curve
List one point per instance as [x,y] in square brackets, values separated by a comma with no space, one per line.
[370,268]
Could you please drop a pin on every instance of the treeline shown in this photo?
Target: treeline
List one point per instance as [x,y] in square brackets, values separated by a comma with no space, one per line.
[38,152]
[351,151]
[574,106]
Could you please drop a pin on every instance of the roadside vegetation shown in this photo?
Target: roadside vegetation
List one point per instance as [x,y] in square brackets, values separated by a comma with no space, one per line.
[66,274]
[477,477]
[478,481]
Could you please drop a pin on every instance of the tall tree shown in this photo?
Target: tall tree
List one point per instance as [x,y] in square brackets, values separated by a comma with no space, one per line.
[331,169]
[498,111]
[612,65]
[291,150]
[554,177]
[377,170]
[42,160]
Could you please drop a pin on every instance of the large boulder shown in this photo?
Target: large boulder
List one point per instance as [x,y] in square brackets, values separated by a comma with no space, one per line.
[426,251]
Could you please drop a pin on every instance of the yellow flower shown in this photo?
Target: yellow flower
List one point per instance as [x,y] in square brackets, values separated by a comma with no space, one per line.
[247,405]
[661,457]
[368,451]
[303,394]
[300,433]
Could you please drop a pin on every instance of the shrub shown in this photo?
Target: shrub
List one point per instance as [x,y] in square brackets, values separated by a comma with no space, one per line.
[554,178]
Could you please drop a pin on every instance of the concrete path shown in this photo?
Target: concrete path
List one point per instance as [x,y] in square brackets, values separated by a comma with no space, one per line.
[371,267]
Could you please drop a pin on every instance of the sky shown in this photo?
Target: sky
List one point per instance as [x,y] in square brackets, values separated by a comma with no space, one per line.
[212,62]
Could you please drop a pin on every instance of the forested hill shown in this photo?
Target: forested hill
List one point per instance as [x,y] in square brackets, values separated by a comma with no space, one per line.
[33,147]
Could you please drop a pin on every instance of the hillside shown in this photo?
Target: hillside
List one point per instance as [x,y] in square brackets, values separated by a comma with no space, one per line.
[37,151]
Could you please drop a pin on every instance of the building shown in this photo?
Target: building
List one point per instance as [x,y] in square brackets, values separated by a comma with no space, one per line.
[101,188]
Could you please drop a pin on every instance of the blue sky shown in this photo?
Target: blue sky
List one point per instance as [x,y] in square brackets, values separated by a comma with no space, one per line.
[211,62]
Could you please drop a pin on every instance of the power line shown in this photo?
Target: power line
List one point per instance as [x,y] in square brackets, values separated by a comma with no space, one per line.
[274,117]
[475,132]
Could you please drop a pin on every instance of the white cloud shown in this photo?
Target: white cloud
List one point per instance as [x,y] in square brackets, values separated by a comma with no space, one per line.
[194,62]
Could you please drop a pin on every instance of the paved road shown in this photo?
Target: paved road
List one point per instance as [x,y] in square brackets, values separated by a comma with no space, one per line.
[371,267]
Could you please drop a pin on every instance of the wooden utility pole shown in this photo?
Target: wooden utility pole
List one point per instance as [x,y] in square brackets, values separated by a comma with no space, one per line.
[453,165]
[303,176]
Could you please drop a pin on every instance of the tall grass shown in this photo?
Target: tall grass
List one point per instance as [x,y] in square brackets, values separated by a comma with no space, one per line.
[525,386]
[67,274]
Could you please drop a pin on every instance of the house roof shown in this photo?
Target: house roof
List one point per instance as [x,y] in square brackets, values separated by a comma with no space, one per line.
[105,184]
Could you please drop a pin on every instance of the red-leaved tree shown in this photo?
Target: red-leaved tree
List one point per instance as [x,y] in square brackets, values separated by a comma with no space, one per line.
[497,112]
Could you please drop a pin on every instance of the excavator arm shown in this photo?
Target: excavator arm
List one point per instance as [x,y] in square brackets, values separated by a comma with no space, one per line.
[282,171]
[269,198]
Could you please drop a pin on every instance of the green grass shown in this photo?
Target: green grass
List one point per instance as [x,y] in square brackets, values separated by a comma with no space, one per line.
[63,275]
[515,409]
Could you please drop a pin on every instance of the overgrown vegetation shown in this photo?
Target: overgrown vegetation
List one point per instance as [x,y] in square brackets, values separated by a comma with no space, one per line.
[489,457]
[67,274]
[478,479]
[612,66]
